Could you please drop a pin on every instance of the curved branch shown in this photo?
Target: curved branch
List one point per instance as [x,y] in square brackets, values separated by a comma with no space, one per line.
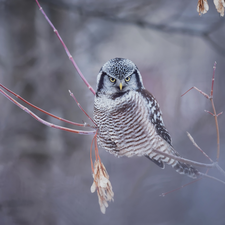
[66,49]
[211,177]
[41,110]
[188,161]
[44,121]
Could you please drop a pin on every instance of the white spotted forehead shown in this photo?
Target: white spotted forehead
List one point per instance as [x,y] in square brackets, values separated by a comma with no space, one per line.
[119,67]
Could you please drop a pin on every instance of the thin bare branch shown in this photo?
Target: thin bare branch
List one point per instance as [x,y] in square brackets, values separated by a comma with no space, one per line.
[211,177]
[180,159]
[209,112]
[194,143]
[43,121]
[72,95]
[219,168]
[169,192]
[56,117]
[203,93]
[213,78]
[215,114]
[92,167]
[219,114]
[66,49]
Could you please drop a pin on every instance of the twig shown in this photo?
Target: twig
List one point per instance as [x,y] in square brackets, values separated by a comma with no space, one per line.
[43,121]
[219,114]
[56,117]
[209,112]
[72,95]
[211,177]
[214,114]
[203,93]
[219,168]
[66,49]
[92,167]
[194,143]
[180,159]
[169,192]
[200,178]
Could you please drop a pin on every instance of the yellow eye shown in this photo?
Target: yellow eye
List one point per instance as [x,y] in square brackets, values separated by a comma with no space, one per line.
[113,80]
[127,79]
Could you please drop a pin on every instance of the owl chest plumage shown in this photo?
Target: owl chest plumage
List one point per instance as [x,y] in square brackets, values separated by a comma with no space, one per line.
[124,127]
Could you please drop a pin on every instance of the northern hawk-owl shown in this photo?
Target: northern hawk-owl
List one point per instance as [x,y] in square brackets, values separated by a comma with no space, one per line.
[129,119]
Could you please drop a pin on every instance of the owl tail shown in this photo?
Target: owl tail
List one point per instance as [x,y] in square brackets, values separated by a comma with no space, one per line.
[186,169]
[180,167]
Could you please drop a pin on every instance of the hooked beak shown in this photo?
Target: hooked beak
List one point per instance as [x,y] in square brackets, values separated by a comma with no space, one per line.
[121,86]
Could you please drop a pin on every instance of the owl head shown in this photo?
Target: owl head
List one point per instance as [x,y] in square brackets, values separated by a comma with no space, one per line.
[118,75]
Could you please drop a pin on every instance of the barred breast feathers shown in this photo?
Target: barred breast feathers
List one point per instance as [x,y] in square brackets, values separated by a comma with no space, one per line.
[125,122]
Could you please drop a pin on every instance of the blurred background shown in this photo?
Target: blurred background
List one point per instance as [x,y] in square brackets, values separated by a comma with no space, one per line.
[45,174]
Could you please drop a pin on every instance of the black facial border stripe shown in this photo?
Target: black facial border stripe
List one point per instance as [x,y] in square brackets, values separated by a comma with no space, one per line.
[139,84]
[100,83]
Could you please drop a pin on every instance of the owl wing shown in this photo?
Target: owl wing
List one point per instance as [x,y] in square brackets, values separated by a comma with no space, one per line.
[155,116]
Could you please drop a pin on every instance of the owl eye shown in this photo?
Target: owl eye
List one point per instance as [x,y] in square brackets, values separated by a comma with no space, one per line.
[127,79]
[113,80]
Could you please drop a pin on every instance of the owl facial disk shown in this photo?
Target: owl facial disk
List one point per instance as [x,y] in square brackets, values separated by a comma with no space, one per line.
[118,75]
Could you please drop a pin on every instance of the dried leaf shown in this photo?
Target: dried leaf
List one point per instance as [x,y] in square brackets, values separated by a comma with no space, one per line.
[93,187]
[102,185]
[220,4]
[202,7]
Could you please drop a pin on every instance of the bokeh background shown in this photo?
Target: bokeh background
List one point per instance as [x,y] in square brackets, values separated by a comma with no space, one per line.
[45,174]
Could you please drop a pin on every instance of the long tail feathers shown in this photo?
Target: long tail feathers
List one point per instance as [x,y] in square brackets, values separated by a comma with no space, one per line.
[186,169]
[180,167]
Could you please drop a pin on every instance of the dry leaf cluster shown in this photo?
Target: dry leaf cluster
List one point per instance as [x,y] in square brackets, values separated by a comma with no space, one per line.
[102,185]
[203,6]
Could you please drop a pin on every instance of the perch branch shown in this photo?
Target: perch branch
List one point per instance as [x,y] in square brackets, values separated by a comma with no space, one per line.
[43,121]
[188,161]
[56,117]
